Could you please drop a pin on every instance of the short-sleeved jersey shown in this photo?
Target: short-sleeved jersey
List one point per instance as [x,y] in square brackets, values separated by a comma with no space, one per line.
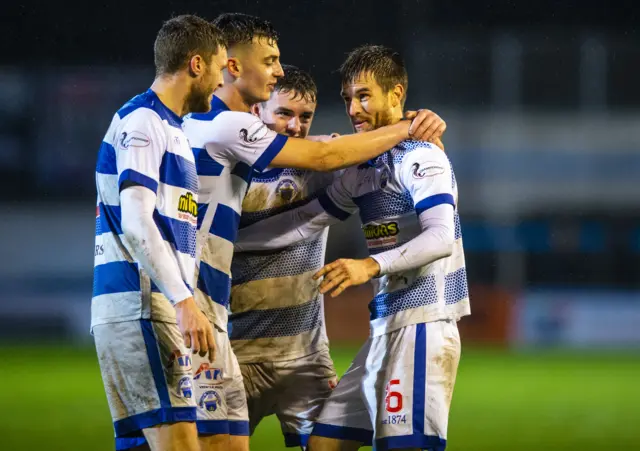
[229,147]
[389,193]
[277,312]
[144,145]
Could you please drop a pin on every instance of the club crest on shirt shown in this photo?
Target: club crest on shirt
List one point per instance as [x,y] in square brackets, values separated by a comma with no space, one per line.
[287,189]
[185,387]
[210,400]
[134,139]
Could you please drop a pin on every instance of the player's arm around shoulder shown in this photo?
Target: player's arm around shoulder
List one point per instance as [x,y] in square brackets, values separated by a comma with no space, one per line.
[348,150]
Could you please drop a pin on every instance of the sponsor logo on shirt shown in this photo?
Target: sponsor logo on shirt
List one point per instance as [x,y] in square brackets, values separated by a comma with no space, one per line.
[187,208]
[384,234]
[425,170]
[254,132]
[206,372]
[134,139]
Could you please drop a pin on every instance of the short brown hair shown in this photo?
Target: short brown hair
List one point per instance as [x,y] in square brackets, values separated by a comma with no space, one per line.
[241,28]
[182,37]
[384,64]
[297,82]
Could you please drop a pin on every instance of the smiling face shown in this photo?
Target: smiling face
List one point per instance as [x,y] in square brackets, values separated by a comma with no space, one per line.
[367,104]
[259,69]
[288,113]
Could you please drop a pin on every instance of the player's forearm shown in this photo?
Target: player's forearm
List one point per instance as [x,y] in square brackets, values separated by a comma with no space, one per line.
[144,242]
[349,150]
[434,243]
[285,229]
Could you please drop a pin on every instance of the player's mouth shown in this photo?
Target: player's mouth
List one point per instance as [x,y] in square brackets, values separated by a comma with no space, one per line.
[360,125]
[272,87]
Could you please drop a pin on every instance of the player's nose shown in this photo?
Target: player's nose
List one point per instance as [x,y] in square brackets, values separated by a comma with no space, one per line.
[293,127]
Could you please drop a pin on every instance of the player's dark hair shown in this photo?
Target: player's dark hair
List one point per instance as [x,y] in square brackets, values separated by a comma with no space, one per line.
[384,64]
[182,37]
[298,82]
[241,28]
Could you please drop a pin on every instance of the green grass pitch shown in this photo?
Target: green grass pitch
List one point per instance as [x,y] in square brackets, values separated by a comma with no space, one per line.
[51,398]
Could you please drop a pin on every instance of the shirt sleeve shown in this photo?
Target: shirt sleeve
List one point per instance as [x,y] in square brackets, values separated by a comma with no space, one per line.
[244,137]
[140,143]
[337,200]
[426,173]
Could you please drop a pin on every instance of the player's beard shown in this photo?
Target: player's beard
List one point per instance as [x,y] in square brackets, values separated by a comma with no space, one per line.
[198,98]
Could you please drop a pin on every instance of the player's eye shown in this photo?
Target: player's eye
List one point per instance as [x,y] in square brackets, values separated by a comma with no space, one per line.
[283,114]
[363,97]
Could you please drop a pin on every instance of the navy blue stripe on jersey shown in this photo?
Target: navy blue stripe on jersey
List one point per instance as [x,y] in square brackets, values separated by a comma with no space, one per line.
[155,362]
[177,171]
[244,171]
[455,286]
[419,378]
[214,283]
[202,210]
[433,201]
[270,152]
[205,165]
[115,277]
[332,208]
[110,219]
[421,292]
[294,260]
[150,100]
[276,322]
[225,223]
[106,159]
[180,234]
[129,175]
[380,203]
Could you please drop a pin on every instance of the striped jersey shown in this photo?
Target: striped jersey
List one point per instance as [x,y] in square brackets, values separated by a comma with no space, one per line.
[389,193]
[145,145]
[229,147]
[277,312]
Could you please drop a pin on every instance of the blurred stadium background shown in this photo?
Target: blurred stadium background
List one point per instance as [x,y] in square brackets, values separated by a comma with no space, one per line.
[542,101]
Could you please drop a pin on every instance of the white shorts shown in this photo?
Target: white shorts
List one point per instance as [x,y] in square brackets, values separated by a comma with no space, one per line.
[146,371]
[397,391]
[294,390]
[219,391]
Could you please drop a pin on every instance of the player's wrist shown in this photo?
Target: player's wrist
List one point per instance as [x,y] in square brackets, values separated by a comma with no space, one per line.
[372,266]
[185,302]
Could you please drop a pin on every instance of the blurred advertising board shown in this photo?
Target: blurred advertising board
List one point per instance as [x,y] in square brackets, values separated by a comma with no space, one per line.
[577,318]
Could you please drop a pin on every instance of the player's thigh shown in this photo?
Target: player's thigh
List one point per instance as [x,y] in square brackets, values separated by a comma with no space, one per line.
[259,380]
[408,385]
[218,442]
[173,437]
[146,371]
[305,384]
[220,393]
[317,443]
[344,416]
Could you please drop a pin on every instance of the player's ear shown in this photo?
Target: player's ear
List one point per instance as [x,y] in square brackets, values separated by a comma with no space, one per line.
[397,94]
[255,109]
[234,67]
[196,65]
